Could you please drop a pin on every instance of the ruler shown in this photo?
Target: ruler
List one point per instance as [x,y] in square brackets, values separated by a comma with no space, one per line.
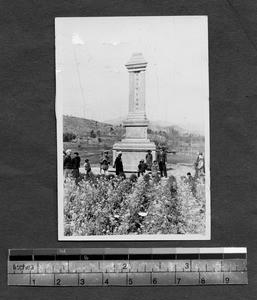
[127,266]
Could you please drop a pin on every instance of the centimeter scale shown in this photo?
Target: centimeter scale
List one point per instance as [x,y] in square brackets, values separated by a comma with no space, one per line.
[127,266]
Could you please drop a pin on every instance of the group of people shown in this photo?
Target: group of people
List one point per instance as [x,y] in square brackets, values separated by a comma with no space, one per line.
[158,165]
[199,170]
[147,165]
[71,165]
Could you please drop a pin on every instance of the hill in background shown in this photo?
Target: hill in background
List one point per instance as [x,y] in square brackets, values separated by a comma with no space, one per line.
[91,132]
[82,127]
[101,134]
[157,125]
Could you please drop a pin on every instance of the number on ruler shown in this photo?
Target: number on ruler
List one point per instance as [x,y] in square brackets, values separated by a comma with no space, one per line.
[227,280]
[124,266]
[186,266]
[202,281]
[82,281]
[130,281]
[106,281]
[178,280]
[154,280]
[58,281]
[34,281]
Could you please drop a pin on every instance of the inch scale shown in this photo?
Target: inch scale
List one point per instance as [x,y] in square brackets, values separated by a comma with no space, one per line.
[127,266]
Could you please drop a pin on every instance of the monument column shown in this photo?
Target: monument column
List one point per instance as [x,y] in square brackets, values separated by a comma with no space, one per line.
[136,67]
[136,144]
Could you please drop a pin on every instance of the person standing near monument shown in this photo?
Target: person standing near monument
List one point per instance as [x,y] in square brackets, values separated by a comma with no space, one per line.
[149,160]
[199,165]
[67,164]
[162,159]
[141,168]
[118,165]
[76,165]
[104,162]
[87,168]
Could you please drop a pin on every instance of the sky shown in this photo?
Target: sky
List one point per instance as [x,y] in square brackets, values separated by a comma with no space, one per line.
[93,82]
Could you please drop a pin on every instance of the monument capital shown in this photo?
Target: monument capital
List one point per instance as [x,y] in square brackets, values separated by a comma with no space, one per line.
[136,63]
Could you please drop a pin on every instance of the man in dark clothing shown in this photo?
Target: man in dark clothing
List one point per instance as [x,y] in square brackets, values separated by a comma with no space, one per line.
[162,159]
[118,164]
[149,160]
[141,168]
[67,164]
[87,169]
[76,165]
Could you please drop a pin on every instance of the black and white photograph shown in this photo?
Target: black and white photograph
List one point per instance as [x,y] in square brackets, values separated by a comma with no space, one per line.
[132,110]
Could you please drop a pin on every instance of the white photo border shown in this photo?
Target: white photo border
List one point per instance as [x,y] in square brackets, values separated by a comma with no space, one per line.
[132,237]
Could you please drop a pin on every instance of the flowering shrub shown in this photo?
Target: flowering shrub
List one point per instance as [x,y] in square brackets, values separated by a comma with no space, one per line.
[102,205]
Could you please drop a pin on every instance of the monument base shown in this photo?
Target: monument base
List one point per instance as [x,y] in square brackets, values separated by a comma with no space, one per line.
[133,151]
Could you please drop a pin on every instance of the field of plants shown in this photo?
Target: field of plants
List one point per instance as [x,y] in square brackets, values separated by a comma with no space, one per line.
[107,205]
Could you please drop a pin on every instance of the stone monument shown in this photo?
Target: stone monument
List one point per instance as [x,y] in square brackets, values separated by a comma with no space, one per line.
[136,144]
